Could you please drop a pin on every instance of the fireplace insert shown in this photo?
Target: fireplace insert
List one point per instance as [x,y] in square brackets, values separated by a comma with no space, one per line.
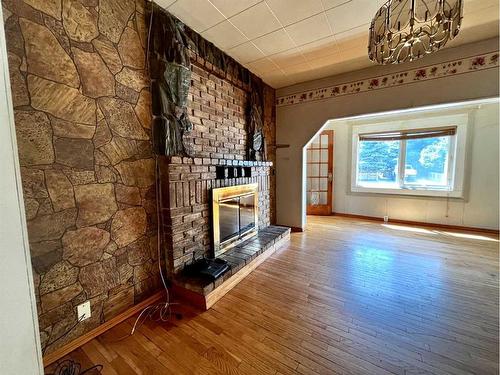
[234,215]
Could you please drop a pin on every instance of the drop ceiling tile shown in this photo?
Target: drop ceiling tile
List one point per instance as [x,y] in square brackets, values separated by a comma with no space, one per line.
[274,78]
[298,68]
[328,4]
[354,54]
[309,30]
[275,42]
[231,7]
[164,3]
[326,60]
[354,38]
[245,53]
[320,48]
[262,66]
[352,14]
[197,14]
[256,21]
[291,11]
[224,35]
[288,58]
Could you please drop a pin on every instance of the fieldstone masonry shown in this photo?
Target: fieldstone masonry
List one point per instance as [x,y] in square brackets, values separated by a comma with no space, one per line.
[82,106]
[82,112]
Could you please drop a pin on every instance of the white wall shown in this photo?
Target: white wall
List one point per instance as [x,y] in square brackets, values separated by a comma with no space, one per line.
[480,206]
[19,338]
[297,124]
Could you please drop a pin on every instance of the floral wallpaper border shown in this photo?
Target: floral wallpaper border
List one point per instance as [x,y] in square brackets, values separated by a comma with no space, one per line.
[450,68]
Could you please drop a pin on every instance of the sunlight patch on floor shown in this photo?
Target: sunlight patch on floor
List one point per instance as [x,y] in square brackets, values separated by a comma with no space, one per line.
[469,236]
[408,229]
[430,231]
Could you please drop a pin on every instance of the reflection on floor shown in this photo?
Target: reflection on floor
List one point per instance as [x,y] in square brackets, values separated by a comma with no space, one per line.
[348,297]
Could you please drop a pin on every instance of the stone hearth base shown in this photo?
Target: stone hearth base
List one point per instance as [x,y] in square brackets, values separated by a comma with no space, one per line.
[243,259]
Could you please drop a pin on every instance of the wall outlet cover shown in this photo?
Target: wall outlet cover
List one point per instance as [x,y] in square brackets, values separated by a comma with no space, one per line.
[386,219]
[83,311]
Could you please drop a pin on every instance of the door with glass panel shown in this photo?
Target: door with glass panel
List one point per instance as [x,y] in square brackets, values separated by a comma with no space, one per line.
[319,174]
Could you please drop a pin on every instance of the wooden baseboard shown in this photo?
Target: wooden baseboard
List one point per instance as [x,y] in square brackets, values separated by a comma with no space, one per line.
[75,344]
[297,229]
[419,223]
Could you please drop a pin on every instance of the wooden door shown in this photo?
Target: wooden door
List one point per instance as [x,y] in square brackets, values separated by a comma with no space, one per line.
[319,174]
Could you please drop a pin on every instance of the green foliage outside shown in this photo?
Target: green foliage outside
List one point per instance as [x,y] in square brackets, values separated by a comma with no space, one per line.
[427,156]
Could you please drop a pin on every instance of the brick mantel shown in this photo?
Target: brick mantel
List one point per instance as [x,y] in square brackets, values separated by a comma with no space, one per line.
[208,161]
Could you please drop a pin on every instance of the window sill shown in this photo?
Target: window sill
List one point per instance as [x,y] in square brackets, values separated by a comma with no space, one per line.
[413,192]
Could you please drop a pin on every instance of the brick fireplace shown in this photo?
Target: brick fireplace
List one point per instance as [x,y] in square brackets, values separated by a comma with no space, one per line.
[217,144]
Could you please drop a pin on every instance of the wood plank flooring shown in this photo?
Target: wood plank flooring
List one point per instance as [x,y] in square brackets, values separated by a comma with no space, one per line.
[345,297]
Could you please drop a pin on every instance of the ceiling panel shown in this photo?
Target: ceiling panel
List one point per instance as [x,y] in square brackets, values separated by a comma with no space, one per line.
[310,29]
[353,14]
[289,57]
[274,42]
[262,66]
[231,7]
[197,14]
[291,11]
[245,53]
[256,21]
[224,35]
[327,4]
[290,41]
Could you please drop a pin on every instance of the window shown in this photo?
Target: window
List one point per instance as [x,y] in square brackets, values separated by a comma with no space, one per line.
[409,157]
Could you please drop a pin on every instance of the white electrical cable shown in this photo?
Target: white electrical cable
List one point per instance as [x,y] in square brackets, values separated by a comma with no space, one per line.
[161,311]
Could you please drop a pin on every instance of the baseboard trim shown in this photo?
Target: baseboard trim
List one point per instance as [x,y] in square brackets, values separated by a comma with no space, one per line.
[85,338]
[296,229]
[419,223]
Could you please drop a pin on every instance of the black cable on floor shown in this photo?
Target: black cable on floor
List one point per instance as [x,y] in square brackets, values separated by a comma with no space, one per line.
[70,367]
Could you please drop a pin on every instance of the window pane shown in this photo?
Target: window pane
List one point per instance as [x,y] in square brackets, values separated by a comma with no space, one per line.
[314,170]
[427,161]
[314,198]
[323,198]
[315,184]
[378,164]
[324,140]
[324,156]
[323,184]
[314,155]
[324,169]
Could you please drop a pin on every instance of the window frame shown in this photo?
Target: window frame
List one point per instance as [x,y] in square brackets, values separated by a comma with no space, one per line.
[457,154]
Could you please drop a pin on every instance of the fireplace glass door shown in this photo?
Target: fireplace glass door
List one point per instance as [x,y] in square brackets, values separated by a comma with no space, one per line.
[234,214]
[229,220]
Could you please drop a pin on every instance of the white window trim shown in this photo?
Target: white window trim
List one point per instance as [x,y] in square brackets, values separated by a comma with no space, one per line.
[456,166]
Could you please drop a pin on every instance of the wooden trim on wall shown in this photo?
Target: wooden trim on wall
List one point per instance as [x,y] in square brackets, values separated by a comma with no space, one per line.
[419,223]
[296,229]
[82,340]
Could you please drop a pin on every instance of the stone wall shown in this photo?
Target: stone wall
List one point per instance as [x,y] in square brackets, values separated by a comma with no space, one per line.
[80,92]
[82,110]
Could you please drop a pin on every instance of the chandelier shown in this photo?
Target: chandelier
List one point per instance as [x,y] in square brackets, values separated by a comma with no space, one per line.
[406,30]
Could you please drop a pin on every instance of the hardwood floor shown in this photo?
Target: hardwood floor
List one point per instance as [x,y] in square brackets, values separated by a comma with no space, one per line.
[345,297]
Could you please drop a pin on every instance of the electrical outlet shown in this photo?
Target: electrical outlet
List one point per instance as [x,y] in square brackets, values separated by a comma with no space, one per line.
[386,219]
[84,311]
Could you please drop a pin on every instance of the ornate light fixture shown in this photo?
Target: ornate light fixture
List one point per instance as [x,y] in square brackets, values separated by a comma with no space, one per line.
[406,30]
